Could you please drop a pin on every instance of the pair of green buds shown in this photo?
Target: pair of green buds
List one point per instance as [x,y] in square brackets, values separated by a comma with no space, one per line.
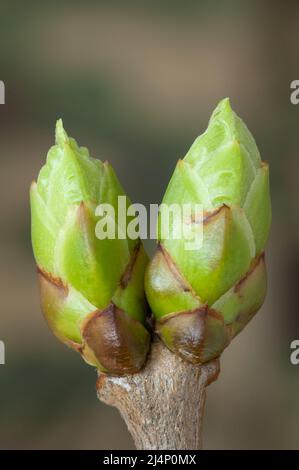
[96,293]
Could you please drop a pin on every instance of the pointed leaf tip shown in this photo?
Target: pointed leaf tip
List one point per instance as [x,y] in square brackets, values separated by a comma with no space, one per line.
[223,107]
[61,136]
[225,102]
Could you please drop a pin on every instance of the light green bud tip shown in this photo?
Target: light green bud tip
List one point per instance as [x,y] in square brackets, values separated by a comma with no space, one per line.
[202,298]
[91,289]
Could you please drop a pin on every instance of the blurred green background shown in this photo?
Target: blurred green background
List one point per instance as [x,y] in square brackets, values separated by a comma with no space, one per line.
[136,82]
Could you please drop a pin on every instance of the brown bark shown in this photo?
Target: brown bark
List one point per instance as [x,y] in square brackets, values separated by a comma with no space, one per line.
[163,404]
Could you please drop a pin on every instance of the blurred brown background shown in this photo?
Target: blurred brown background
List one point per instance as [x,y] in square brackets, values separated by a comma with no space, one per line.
[136,82]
